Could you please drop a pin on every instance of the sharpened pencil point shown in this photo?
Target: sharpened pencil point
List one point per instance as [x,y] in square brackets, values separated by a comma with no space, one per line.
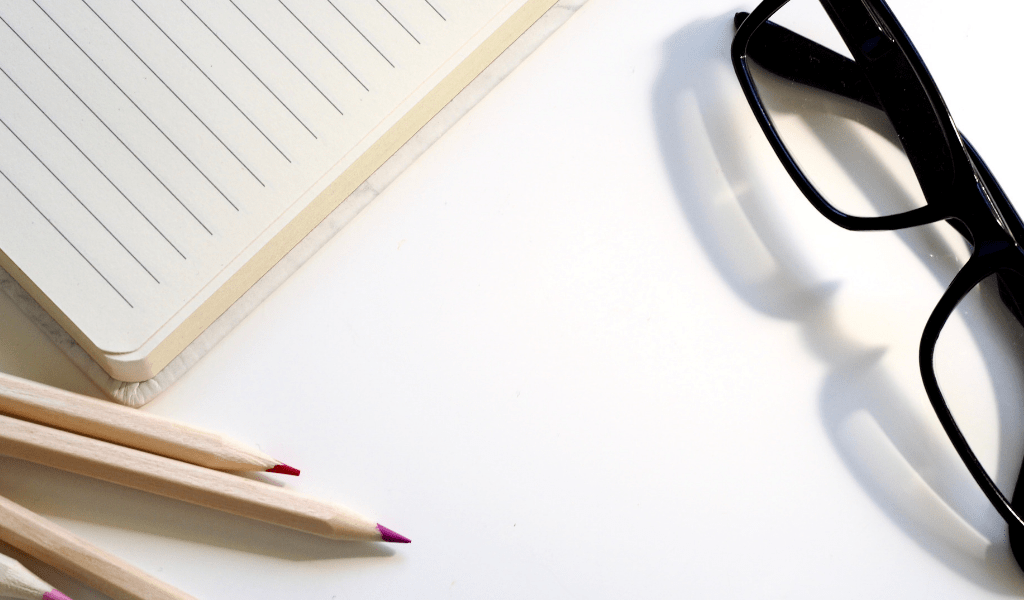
[387,535]
[284,470]
[55,595]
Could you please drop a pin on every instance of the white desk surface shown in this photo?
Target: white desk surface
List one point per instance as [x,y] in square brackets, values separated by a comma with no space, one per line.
[593,344]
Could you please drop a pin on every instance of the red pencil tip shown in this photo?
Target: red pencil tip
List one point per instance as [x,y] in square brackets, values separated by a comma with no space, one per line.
[284,470]
[55,595]
[387,535]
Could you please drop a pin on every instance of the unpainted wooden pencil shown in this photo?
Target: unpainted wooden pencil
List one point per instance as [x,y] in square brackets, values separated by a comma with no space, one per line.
[66,552]
[130,427]
[187,482]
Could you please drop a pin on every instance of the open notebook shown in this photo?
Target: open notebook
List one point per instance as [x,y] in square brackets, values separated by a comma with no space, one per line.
[158,157]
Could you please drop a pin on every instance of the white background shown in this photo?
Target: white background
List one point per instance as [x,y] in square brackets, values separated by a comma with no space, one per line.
[594,344]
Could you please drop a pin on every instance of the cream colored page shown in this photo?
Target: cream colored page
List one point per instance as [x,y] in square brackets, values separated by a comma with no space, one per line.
[144,144]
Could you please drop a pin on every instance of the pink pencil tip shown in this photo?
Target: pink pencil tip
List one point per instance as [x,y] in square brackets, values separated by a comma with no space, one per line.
[55,595]
[284,470]
[387,535]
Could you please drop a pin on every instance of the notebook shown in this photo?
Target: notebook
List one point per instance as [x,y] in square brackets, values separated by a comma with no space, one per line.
[158,158]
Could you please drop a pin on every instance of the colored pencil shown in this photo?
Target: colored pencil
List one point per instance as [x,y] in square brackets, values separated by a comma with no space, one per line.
[103,420]
[21,584]
[187,482]
[69,554]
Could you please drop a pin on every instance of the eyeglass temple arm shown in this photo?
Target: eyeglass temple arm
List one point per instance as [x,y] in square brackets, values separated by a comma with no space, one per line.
[801,60]
[798,59]
[877,78]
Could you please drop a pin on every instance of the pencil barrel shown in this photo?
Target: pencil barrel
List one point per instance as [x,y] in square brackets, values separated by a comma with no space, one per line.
[98,419]
[182,481]
[41,539]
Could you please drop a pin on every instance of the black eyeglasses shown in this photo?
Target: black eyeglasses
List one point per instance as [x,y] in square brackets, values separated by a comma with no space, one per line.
[877,75]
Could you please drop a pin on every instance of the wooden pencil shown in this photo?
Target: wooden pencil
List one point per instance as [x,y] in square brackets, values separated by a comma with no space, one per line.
[21,584]
[187,482]
[65,410]
[69,554]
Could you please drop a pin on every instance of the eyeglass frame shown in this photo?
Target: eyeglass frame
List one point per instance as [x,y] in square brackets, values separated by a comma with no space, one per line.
[987,220]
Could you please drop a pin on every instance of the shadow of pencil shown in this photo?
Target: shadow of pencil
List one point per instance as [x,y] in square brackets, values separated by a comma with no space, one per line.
[43,490]
[726,180]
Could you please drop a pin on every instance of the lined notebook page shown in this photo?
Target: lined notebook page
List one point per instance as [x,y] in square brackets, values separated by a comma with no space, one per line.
[147,145]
